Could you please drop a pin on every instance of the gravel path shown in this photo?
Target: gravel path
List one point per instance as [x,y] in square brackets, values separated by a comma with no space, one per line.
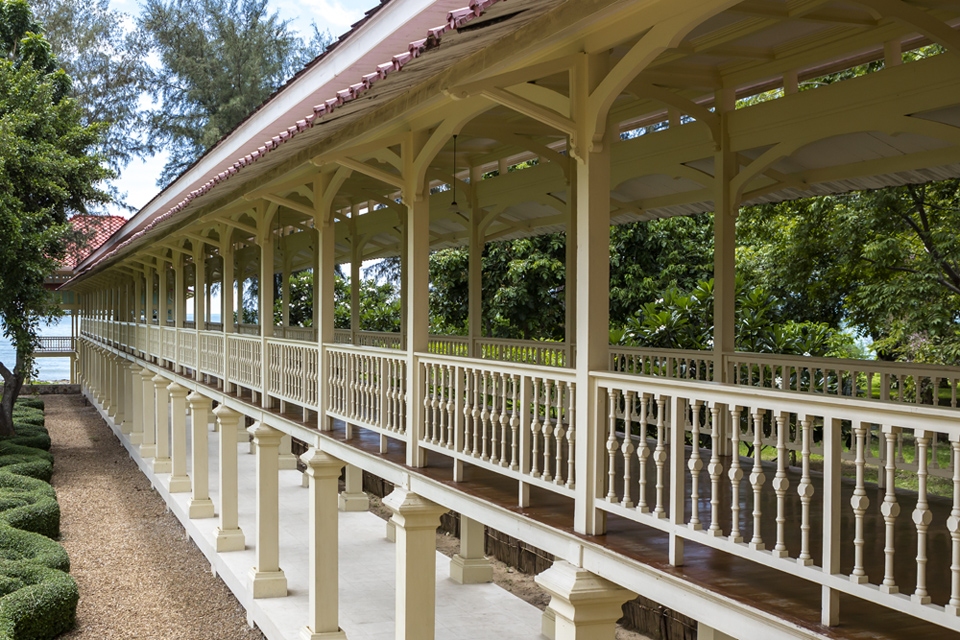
[138,575]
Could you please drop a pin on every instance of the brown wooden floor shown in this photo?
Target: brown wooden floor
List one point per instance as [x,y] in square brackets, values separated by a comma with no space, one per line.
[776,592]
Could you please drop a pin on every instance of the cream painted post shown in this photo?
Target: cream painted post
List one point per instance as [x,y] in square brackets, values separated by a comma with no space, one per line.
[227,285]
[229,537]
[179,480]
[323,470]
[200,505]
[129,378]
[677,514]
[832,505]
[110,384]
[265,285]
[138,298]
[136,408]
[475,275]
[148,438]
[353,498]
[584,606]
[356,245]
[285,286]
[267,579]
[570,272]
[199,292]
[148,299]
[162,295]
[179,306]
[161,463]
[323,300]
[417,294]
[416,520]
[593,327]
[470,566]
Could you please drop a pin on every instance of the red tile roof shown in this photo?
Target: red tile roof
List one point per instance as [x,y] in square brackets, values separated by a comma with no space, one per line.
[97,230]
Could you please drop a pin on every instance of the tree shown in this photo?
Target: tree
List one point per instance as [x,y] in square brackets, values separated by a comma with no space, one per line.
[47,171]
[219,60]
[105,59]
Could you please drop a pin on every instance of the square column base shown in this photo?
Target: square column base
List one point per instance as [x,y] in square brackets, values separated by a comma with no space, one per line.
[307,634]
[470,570]
[268,584]
[180,484]
[162,465]
[148,451]
[136,438]
[353,501]
[288,461]
[232,540]
[548,624]
[391,534]
[200,509]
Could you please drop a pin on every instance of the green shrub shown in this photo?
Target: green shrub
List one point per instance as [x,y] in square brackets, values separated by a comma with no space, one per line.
[32,402]
[25,546]
[19,458]
[33,504]
[36,602]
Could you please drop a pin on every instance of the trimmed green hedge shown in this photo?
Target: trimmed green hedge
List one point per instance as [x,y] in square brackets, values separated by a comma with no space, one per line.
[38,600]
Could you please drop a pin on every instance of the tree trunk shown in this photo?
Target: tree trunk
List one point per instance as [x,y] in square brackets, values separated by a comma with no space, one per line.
[12,383]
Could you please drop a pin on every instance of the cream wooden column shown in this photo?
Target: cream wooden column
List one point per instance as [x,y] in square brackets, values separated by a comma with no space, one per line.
[148,438]
[353,497]
[110,394]
[116,389]
[475,272]
[323,301]
[470,566]
[416,520]
[148,290]
[128,377]
[323,623]
[179,480]
[593,327]
[583,606]
[228,285]
[161,462]
[267,579]
[356,245]
[285,287]
[199,291]
[416,291]
[138,298]
[200,505]
[229,537]
[136,405]
[266,240]
[162,310]
[726,208]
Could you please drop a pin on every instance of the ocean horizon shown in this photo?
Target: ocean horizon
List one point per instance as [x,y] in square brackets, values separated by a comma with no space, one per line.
[48,369]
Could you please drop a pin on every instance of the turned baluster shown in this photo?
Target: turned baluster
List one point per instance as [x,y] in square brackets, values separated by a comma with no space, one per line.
[535,430]
[805,489]
[485,418]
[468,409]
[477,420]
[627,449]
[757,478]
[660,456]
[859,501]
[547,431]
[504,420]
[922,517]
[715,469]
[495,409]
[571,434]
[514,423]
[780,485]
[558,432]
[953,526]
[890,509]
[613,444]
[643,452]
[695,465]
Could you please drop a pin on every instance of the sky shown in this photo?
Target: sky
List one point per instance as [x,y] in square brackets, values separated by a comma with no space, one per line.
[138,179]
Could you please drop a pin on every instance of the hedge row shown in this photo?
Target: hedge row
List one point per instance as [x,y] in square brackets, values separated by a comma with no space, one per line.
[38,598]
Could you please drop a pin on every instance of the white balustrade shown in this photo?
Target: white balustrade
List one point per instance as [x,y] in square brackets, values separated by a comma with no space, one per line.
[551,354]
[367,388]
[169,346]
[54,344]
[518,420]
[248,329]
[155,341]
[187,346]
[293,371]
[342,336]
[244,360]
[449,346]
[667,363]
[211,353]
[784,446]
[306,334]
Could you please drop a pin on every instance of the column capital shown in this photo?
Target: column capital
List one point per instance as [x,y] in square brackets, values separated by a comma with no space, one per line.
[226,415]
[134,368]
[177,391]
[146,374]
[199,401]
[583,599]
[321,464]
[412,511]
[160,382]
[264,435]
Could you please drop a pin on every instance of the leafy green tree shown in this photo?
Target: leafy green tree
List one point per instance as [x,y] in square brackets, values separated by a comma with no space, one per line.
[47,171]
[219,60]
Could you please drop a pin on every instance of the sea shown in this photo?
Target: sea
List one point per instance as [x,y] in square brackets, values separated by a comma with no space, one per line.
[49,369]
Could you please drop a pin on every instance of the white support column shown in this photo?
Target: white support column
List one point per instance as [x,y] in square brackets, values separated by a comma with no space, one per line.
[266,241]
[323,300]
[200,505]
[593,328]
[136,406]
[470,566]
[162,294]
[475,278]
[353,498]
[416,520]
[583,606]
[228,284]
[267,579]
[148,438]
[161,463]
[138,298]
[118,368]
[287,460]
[129,378]
[179,480]
[285,288]
[229,537]
[323,623]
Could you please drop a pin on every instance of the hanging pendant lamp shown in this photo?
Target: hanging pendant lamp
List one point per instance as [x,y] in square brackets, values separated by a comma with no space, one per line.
[454,207]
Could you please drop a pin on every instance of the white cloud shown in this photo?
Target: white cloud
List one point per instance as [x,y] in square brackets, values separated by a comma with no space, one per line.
[335,15]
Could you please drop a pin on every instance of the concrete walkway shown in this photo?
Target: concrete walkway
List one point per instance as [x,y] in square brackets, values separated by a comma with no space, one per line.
[367,567]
